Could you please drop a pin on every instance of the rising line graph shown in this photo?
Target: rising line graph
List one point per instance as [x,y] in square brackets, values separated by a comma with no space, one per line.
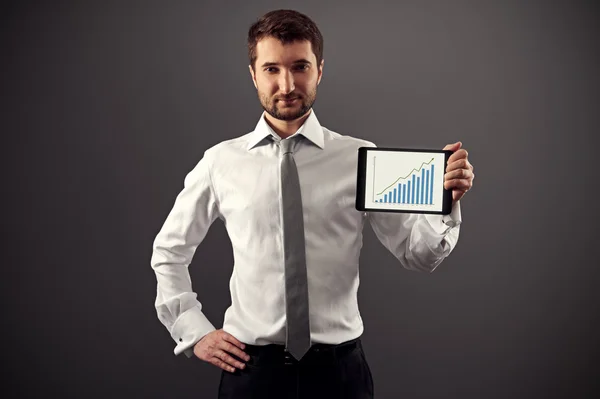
[418,190]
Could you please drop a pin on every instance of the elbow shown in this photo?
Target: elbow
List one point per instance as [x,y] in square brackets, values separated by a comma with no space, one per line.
[425,260]
[168,256]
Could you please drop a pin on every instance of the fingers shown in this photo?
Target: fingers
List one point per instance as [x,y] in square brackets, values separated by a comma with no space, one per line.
[225,361]
[459,174]
[226,344]
[217,348]
[227,347]
[219,363]
[460,154]
[459,171]
[460,164]
[458,184]
[230,338]
[452,147]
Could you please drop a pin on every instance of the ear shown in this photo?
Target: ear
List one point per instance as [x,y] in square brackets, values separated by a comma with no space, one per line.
[252,74]
[320,71]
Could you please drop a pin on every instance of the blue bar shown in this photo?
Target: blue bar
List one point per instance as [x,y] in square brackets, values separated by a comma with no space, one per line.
[395,196]
[384,197]
[427,187]
[404,193]
[418,190]
[399,193]
[412,192]
[431,187]
[422,185]
[408,193]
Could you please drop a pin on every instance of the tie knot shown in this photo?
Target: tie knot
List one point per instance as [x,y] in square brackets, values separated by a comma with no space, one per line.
[286,146]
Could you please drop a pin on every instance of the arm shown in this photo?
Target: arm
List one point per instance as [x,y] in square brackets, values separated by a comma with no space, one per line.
[420,242]
[195,209]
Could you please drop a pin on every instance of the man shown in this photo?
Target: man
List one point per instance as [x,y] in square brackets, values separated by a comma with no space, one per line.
[238,181]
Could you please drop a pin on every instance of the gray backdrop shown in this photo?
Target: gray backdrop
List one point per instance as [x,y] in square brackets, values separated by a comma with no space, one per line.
[107,105]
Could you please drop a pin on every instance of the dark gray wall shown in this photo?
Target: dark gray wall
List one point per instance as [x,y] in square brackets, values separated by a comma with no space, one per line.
[107,105]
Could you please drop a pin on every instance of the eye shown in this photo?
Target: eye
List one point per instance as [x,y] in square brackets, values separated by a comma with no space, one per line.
[271,69]
[302,67]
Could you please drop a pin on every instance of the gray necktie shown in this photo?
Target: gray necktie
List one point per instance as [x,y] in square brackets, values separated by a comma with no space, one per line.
[296,285]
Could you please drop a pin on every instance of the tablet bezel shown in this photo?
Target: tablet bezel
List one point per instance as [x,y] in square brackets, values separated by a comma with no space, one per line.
[361,182]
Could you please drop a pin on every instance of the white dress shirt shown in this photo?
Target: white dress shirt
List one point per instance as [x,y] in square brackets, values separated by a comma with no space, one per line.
[237,181]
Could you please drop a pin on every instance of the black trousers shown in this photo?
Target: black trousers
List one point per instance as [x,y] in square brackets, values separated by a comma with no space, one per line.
[326,371]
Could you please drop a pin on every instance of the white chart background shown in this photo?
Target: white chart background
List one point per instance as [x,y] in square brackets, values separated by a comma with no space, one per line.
[387,168]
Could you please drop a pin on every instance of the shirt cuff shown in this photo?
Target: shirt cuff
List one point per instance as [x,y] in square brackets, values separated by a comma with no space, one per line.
[188,329]
[442,223]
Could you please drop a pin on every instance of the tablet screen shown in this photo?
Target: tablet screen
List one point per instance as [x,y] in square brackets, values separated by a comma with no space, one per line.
[402,180]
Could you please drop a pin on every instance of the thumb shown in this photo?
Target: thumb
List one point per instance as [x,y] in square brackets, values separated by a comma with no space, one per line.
[453,147]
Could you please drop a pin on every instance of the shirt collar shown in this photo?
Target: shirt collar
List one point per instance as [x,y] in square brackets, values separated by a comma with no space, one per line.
[311,129]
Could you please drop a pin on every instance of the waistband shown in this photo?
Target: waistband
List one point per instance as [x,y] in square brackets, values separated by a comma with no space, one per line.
[276,353]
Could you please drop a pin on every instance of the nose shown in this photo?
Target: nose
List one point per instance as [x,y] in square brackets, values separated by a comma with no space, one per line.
[286,82]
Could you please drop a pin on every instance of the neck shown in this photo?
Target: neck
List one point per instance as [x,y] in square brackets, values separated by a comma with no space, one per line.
[285,129]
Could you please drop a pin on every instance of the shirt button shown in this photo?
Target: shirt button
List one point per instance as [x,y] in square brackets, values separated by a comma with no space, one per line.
[180,340]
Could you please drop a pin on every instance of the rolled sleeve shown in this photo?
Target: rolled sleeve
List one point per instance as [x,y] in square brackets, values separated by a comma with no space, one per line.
[420,242]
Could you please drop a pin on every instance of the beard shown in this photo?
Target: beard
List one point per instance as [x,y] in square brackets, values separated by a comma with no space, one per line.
[278,111]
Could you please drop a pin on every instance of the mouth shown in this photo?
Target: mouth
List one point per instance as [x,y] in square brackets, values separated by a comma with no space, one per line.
[288,100]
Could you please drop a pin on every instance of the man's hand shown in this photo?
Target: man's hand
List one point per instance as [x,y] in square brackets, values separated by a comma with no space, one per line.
[459,173]
[216,347]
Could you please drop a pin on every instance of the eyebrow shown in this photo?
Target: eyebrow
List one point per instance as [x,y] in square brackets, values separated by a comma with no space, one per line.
[300,61]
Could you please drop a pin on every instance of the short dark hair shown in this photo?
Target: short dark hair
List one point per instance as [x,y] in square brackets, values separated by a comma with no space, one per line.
[287,26]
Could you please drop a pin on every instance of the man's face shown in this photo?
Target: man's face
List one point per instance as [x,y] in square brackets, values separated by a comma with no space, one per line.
[286,77]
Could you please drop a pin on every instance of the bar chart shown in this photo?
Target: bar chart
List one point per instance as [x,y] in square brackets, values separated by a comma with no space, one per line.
[403,180]
[415,188]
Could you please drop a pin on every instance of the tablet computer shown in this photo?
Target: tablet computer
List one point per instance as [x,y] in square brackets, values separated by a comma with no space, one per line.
[402,180]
